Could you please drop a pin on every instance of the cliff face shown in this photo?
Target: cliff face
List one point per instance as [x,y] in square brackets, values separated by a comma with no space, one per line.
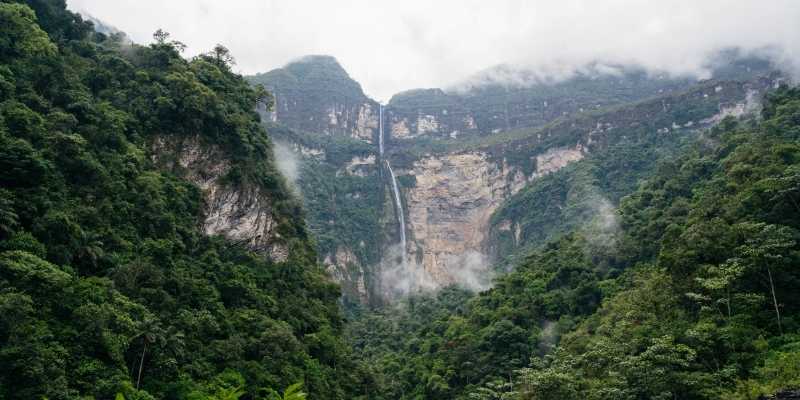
[315,94]
[465,160]
[430,112]
[450,206]
[502,99]
[240,213]
[618,148]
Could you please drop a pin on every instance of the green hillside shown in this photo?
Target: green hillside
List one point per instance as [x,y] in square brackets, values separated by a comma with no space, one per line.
[107,284]
[691,298]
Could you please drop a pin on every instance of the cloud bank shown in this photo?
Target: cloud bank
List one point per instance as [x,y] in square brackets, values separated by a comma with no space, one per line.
[390,46]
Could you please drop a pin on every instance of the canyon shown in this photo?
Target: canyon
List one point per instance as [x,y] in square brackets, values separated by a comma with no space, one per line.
[436,167]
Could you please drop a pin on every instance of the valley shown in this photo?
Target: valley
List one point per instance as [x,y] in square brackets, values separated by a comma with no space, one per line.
[609,218]
[459,175]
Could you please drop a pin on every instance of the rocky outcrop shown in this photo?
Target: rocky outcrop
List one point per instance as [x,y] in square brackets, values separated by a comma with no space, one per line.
[429,112]
[360,166]
[315,94]
[345,268]
[554,159]
[453,199]
[450,205]
[240,213]
[461,153]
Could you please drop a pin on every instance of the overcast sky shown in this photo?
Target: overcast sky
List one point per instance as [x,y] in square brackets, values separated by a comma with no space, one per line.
[390,46]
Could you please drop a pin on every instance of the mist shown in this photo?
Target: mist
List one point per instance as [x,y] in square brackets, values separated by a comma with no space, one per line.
[470,270]
[394,46]
[288,163]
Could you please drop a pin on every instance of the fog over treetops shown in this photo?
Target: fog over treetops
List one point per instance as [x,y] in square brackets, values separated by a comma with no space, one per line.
[394,46]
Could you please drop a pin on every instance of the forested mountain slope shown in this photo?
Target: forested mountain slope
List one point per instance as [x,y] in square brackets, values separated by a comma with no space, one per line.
[692,297]
[467,194]
[148,244]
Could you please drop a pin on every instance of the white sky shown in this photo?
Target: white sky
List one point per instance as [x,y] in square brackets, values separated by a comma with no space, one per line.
[390,46]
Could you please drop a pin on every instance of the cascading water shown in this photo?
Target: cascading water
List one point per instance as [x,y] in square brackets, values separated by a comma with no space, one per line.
[380,130]
[401,218]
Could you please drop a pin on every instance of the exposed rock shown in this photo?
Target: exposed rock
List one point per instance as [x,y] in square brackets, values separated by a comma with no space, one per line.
[366,124]
[344,267]
[242,214]
[309,151]
[450,206]
[356,166]
[427,124]
[400,129]
[736,110]
[555,159]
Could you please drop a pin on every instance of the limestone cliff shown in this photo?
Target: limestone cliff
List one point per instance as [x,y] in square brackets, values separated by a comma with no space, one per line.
[450,205]
[241,213]
[462,156]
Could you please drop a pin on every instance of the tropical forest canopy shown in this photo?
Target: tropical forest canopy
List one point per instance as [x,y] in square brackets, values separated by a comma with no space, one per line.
[109,288]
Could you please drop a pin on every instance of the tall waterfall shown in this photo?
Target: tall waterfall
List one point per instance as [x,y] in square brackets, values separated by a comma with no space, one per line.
[401,218]
[380,130]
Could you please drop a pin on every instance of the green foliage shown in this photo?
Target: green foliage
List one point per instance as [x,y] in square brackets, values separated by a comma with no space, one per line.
[106,283]
[693,298]
[293,392]
[310,87]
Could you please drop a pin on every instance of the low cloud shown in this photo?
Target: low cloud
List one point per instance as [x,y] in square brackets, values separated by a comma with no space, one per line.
[399,278]
[288,163]
[394,46]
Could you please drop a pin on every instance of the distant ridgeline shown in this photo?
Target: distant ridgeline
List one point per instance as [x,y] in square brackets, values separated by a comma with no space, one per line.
[486,171]
[149,247]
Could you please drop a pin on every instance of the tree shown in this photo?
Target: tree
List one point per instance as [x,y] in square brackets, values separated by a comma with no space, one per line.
[221,56]
[21,36]
[151,333]
[161,36]
[719,281]
[293,392]
[767,248]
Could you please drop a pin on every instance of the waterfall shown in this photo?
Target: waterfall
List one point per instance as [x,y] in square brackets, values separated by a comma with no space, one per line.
[380,130]
[401,218]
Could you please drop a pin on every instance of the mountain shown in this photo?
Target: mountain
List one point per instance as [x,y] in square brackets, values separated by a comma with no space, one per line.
[504,98]
[170,229]
[315,94]
[471,162]
[149,246]
[685,291]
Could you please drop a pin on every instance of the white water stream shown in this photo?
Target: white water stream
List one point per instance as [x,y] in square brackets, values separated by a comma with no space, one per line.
[401,218]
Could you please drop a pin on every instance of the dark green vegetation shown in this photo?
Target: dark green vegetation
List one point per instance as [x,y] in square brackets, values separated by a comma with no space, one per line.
[345,211]
[692,297]
[106,283]
[108,286]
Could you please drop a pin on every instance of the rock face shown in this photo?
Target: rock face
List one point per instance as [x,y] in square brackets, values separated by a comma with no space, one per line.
[503,98]
[554,159]
[450,206]
[428,112]
[315,94]
[462,153]
[358,166]
[345,268]
[242,214]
